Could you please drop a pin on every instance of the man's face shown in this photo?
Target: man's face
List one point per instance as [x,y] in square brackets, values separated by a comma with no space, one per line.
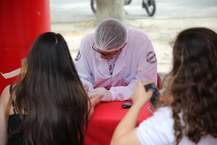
[108,54]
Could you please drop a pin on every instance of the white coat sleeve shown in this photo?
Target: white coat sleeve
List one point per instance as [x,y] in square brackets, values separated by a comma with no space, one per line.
[81,63]
[146,69]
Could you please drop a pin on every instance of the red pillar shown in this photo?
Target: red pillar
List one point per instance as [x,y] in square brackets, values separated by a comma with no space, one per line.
[21,22]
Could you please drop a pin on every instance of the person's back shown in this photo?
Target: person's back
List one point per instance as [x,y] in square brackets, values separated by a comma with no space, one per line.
[206,140]
[158,129]
[186,113]
[50,100]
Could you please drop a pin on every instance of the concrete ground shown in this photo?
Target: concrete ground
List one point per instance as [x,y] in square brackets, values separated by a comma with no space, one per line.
[74,19]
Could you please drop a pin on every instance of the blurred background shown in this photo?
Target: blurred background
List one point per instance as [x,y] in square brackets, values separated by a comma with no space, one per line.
[74,19]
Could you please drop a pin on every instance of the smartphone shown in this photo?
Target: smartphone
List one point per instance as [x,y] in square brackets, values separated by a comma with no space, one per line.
[156,93]
[126,105]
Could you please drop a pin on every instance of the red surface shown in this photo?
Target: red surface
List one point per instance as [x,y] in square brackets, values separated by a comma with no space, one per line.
[21,22]
[105,119]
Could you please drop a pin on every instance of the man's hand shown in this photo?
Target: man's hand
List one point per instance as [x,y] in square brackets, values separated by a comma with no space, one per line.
[101,92]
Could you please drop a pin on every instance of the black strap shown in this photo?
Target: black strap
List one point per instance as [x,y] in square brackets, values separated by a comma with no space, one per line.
[10,89]
[14,108]
[13,102]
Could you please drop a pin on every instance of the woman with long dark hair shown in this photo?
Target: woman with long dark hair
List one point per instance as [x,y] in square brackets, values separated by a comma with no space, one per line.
[186,112]
[49,106]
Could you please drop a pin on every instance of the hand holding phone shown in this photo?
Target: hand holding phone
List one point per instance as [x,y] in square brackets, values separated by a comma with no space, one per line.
[155,97]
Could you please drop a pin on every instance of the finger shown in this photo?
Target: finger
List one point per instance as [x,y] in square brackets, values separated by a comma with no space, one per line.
[99,96]
[140,84]
[92,94]
[95,100]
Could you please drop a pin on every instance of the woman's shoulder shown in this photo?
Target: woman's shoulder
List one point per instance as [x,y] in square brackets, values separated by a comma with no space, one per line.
[5,95]
[161,124]
[164,110]
[4,98]
[162,116]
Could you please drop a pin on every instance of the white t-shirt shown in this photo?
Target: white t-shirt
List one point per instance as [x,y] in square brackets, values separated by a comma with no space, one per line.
[158,130]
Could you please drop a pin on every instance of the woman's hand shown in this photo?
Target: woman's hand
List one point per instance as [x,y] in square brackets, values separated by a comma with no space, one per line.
[141,96]
[93,102]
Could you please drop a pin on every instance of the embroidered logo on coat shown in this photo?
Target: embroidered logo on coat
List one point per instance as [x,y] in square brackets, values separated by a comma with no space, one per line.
[78,56]
[151,57]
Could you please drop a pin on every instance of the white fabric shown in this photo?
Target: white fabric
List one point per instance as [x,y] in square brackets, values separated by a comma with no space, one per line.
[130,66]
[158,130]
[11,74]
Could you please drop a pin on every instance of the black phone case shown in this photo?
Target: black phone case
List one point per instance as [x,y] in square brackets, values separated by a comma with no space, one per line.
[156,93]
[126,105]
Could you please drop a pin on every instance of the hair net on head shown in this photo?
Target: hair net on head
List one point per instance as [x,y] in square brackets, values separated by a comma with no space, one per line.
[110,34]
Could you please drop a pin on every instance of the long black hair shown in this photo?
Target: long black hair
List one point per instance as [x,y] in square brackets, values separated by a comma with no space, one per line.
[51,96]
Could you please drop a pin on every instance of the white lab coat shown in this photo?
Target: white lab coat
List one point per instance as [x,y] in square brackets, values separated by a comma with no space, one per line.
[137,61]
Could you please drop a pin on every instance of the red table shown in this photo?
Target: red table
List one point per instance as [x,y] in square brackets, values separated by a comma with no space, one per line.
[105,119]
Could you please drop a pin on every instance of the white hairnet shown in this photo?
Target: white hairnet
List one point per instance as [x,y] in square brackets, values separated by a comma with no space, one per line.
[110,34]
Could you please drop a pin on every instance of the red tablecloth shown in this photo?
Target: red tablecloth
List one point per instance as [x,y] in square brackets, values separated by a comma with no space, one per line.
[106,118]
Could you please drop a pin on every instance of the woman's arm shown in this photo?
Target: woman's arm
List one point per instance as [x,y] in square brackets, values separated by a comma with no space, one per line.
[125,132]
[93,102]
[3,120]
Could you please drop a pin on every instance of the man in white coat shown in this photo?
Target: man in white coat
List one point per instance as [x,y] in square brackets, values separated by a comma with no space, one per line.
[111,60]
